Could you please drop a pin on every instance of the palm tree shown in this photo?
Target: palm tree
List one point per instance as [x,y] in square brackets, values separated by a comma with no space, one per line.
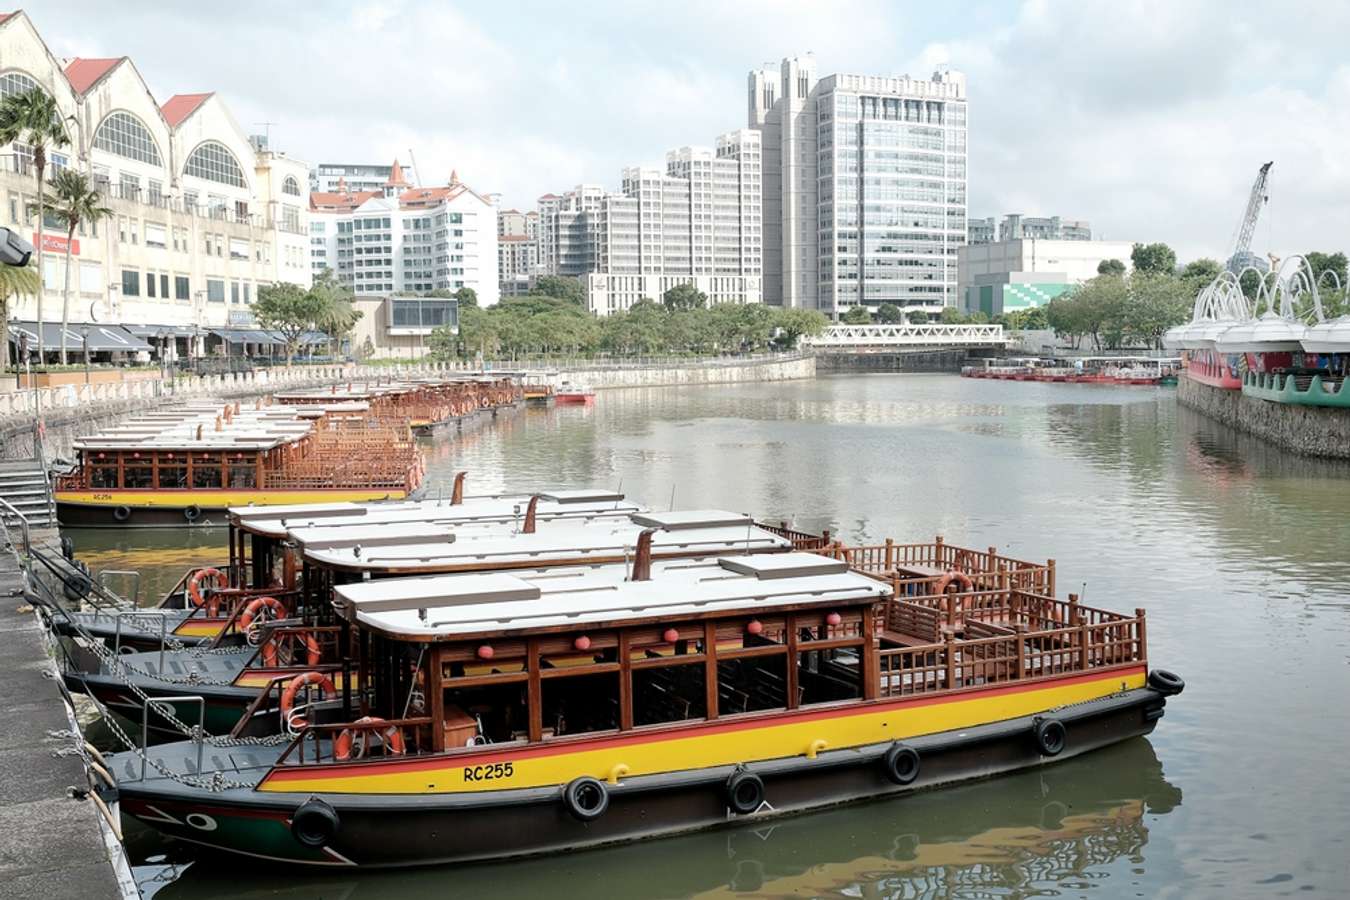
[33,118]
[13,282]
[339,315]
[73,202]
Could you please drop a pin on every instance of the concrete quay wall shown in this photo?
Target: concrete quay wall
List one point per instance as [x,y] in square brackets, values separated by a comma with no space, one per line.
[1306,430]
[782,368]
[892,361]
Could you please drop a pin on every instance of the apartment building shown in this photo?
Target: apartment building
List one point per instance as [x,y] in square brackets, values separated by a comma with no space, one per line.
[201,218]
[357,177]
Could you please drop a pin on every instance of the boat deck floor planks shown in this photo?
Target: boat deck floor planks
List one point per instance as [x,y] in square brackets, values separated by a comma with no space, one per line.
[51,845]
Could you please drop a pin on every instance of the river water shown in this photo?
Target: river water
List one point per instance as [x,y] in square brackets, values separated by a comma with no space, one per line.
[1240,553]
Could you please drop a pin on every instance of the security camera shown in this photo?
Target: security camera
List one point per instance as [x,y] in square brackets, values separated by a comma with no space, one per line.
[14,250]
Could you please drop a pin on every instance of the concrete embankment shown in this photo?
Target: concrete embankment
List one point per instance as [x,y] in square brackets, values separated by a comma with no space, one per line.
[788,367]
[896,361]
[1306,430]
[51,844]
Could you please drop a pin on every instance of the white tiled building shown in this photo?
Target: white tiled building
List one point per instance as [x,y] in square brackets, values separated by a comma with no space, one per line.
[517,250]
[200,219]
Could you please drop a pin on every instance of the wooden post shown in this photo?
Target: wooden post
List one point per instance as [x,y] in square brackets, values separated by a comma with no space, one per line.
[1143,642]
[1083,636]
[436,700]
[1050,577]
[534,694]
[1021,650]
[791,682]
[890,554]
[951,661]
[625,681]
[937,551]
[870,659]
[710,667]
[1073,610]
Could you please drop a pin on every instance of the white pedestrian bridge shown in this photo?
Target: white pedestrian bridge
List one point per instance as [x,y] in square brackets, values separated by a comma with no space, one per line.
[904,337]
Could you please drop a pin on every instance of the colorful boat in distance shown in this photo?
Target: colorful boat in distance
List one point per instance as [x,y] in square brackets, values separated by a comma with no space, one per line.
[509,714]
[207,604]
[1136,370]
[180,467]
[574,394]
[427,403]
[310,638]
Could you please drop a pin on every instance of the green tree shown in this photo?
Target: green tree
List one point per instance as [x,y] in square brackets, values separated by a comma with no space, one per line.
[73,201]
[1324,262]
[1157,258]
[1202,271]
[950,315]
[289,309]
[467,297]
[917,317]
[338,314]
[684,296]
[889,314]
[856,315]
[442,344]
[560,287]
[793,324]
[33,118]
[1110,267]
[1155,304]
[15,281]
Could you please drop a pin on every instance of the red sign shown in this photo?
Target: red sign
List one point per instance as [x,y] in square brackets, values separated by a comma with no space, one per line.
[56,243]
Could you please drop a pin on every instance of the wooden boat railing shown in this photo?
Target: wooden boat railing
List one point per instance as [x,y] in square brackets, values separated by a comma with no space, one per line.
[801,540]
[987,568]
[954,664]
[415,736]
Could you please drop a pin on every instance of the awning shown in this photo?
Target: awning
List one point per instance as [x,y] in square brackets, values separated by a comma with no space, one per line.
[102,338]
[247,336]
[160,331]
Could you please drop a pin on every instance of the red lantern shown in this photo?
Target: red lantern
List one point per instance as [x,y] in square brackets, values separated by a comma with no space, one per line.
[101,455]
[755,626]
[485,651]
[136,455]
[671,635]
[833,619]
[582,643]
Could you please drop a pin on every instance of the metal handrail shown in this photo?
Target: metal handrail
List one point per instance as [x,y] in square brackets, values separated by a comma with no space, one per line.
[24,529]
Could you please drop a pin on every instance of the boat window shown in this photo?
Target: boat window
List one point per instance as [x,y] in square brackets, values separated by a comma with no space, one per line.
[485,714]
[751,684]
[243,474]
[138,474]
[206,470]
[103,474]
[825,676]
[173,471]
[576,704]
[670,693]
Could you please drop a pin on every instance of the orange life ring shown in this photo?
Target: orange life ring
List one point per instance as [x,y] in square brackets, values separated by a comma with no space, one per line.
[392,737]
[946,581]
[312,654]
[194,589]
[255,607]
[325,685]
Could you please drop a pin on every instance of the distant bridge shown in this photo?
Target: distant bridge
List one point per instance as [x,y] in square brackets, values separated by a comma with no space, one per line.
[872,338]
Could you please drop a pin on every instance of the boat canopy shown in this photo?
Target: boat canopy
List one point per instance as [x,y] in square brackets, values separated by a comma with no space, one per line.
[450,607]
[1331,336]
[1270,333]
[248,429]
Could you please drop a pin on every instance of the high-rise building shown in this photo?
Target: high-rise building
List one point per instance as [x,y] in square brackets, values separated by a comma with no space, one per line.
[200,218]
[867,203]
[697,222]
[1016,226]
[517,250]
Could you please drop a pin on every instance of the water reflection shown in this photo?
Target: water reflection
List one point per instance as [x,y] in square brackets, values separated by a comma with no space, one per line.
[1060,828]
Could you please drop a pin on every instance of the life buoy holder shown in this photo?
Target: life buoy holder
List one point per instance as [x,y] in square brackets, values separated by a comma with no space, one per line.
[745,792]
[347,747]
[194,590]
[122,513]
[901,764]
[254,610]
[586,798]
[1051,736]
[294,722]
[271,652]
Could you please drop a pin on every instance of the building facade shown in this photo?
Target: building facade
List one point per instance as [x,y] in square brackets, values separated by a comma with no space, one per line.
[517,250]
[867,203]
[981,231]
[1006,276]
[200,218]
[1016,226]
[341,177]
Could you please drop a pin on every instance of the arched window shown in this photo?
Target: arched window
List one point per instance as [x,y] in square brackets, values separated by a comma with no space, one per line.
[291,186]
[214,162]
[123,134]
[15,83]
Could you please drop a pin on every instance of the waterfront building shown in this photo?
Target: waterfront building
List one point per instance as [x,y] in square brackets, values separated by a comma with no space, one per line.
[336,177]
[517,250]
[1006,276]
[864,186]
[201,217]
[697,221]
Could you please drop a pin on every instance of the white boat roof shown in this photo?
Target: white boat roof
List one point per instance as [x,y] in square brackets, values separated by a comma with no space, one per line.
[248,429]
[562,540]
[277,521]
[450,606]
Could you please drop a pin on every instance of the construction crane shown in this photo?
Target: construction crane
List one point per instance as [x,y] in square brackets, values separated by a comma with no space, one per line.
[1242,255]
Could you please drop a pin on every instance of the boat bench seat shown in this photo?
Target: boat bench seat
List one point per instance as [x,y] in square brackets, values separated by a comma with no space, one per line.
[900,639]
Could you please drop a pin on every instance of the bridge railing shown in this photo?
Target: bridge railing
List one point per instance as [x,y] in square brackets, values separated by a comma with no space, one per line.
[912,335]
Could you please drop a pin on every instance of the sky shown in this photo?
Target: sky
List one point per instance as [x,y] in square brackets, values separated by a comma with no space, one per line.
[1149,119]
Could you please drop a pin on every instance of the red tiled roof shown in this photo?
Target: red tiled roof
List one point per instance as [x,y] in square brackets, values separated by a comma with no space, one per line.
[549,197]
[5,16]
[338,201]
[396,176]
[180,106]
[85,73]
[418,198]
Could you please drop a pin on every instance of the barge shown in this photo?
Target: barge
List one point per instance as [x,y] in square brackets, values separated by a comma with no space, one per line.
[1116,370]
[184,467]
[500,714]
[430,404]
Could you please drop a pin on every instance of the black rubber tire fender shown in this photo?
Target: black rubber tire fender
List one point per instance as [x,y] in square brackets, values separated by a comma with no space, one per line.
[745,792]
[1166,683]
[1051,736]
[76,586]
[586,798]
[192,513]
[122,513]
[901,764]
[315,823]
